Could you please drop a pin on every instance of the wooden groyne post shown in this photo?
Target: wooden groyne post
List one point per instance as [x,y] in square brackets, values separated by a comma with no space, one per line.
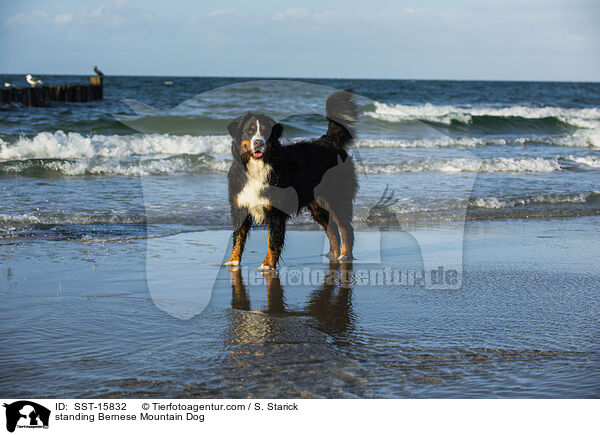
[40,95]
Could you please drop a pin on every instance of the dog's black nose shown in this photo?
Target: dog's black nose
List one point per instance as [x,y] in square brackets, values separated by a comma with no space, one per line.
[258,143]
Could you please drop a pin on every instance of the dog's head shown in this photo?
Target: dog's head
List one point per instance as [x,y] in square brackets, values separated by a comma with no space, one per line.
[254,136]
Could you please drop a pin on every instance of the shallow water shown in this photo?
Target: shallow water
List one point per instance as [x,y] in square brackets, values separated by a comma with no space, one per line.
[82,323]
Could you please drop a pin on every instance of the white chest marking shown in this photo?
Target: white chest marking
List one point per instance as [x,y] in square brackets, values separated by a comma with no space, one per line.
[251,195]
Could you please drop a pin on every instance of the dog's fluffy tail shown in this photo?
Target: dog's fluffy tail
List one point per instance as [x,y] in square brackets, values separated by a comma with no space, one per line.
[341,112]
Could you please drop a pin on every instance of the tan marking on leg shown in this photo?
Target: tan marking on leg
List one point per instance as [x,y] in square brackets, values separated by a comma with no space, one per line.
[238,247]
[272,257]
[347,233]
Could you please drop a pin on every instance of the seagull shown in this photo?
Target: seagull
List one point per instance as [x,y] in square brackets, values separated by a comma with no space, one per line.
[33,81]
[98,72]
[8,85]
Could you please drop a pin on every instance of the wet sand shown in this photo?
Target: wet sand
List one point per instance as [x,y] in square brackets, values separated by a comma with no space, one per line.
[159,317]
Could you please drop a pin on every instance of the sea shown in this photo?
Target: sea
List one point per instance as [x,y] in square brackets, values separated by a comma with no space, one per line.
[73,170]
[84,186]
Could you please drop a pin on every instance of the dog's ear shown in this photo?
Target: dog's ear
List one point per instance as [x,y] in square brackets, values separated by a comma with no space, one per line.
[235,126]
[276,132]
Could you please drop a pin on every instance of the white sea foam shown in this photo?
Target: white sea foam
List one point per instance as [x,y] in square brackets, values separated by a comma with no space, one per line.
[24,218]
[585,118]
[585,161]
[144,168]
[437,142]
[493,203]
[71,218]
[577,139]
[500,164]
[131,167]
[428,112]
[74,154]
[62,145]
[550,198]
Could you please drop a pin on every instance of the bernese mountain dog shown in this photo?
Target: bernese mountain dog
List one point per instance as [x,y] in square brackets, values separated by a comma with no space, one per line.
[270,182]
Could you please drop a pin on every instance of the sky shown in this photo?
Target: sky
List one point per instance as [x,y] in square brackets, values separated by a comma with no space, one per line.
[554,40]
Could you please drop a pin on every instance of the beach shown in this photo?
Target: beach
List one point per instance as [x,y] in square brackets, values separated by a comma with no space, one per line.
[83,322]
[476,271]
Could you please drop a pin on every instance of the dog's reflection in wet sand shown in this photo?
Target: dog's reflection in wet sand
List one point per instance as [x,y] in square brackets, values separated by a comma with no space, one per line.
[329,307]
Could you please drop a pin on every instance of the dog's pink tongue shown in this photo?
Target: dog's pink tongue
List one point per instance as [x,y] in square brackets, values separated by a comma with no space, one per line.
[257,155]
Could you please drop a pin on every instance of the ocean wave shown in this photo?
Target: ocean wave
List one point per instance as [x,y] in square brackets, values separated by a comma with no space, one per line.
[577,139]
[437,142]
[70,219]
[547,199]
[500,164]
[448,114]
[123,224]
[70,147]
[585,161]
[204,163]
[184,163]
[108,224]
[60,145]
[414,210]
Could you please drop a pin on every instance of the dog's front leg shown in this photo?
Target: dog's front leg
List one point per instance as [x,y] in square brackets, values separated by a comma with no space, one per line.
[240,234]
[276,223]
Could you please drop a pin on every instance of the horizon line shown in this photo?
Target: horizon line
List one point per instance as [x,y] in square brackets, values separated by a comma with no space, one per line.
[315,78]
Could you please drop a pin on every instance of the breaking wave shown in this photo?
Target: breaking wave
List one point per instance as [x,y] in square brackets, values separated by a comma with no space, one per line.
[60,145]
[499,164]
[581,118]
[184,163]
[577,139]
[549,199]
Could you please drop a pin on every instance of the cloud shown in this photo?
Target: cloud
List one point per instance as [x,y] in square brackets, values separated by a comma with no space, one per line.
[222,12]
[86,16]
[98,12]
[63,18]
[26,17]
[307,15]
[116,20]
[411,10]
[294,13]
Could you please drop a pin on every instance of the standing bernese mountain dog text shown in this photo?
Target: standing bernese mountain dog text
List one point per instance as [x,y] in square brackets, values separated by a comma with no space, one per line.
[269,182]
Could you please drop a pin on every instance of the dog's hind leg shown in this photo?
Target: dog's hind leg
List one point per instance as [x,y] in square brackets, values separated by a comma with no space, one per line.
[347,232]
[276,223]
[239,241]
[324,218]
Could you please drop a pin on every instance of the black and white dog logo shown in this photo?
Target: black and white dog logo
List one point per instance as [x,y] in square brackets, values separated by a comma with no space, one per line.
[26,414]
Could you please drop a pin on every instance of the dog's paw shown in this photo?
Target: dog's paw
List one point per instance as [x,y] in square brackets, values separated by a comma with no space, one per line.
[265,267]
[232,263]
[332,255]
[345,258]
